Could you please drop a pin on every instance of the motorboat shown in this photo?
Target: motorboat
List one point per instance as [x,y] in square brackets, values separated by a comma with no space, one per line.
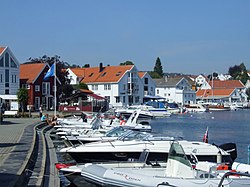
[95,135]
[178,172]
[131,145]
[197,108]
[98,128]
[73,171]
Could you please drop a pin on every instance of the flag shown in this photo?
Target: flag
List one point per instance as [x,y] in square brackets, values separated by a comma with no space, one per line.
[205,137]
[50,72]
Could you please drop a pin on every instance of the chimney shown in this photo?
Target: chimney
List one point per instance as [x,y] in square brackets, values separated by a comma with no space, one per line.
[101,67]
[166,78]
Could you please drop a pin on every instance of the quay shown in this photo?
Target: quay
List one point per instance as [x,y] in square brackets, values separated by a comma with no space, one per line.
[27,154]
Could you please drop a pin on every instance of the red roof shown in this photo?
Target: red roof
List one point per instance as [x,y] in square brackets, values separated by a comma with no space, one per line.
[141,74]
[215,92]
[31,71]
[2,49]
[226,84]
[96,96]
[107,74]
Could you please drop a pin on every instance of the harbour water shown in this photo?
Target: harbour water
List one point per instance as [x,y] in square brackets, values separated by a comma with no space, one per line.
[223,127]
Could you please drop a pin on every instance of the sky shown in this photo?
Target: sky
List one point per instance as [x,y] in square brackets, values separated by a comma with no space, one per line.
[189,36]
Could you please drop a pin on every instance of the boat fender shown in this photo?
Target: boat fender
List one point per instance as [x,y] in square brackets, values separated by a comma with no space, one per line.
[222,167]
[122,122]
[60,165]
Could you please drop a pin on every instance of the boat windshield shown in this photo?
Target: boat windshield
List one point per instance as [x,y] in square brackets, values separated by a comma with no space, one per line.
[115,132]
[177,153]
[134,135]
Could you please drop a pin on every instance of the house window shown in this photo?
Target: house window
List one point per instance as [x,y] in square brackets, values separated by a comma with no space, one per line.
[124,99]
[157,91]
[15,78]
[124,87]
[37,88]
[7,60]
[46,88]
[7,91]
[7,77]
[146,80]
[12,63]
[107,98]
[137,99]
[1,62]
[1,78]
[117,99]
[107,87]
[169,94]
[94,87]
[37,102]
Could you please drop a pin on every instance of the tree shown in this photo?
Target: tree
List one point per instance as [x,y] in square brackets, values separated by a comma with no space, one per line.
[81,86]
[154,75]
[63,89]
[213,76]
[126,63]
[239,72]
[22,98]
[158,67]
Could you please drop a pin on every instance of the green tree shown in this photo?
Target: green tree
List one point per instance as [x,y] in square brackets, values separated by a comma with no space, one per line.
[81,86]
[22,98]
[158,67]
[64,89]
[239,72]
[154,75]
[126,63]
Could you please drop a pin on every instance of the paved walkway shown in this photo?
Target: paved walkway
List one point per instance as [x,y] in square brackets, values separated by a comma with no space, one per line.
[16,136]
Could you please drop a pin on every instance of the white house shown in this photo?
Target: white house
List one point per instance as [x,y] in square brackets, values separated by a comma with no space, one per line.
[148,82]
[200,80]
[220,87]
[9,75]
[120,85]
[176,89]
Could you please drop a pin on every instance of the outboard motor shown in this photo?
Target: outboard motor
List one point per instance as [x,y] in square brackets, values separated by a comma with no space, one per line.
[231,149]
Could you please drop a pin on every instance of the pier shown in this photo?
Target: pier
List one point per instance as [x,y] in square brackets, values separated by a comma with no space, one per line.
[27,155]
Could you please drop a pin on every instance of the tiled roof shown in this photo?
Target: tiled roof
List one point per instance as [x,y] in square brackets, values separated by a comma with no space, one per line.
[226,84]
[215,92]
[141,74]
[108,73]
[2,49]
[31,71]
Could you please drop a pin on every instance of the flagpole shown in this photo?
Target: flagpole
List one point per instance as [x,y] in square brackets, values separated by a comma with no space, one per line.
[55,88]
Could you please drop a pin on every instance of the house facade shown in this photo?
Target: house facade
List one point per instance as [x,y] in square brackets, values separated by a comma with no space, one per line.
[222,89]
[9,76]
[148,83]
[200,80]
[176,89]
[120,85]
[40,92]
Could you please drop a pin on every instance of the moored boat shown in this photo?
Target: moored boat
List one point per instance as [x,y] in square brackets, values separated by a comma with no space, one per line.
[179,172]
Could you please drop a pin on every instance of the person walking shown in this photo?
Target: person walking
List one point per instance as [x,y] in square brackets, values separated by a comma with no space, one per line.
[40,111]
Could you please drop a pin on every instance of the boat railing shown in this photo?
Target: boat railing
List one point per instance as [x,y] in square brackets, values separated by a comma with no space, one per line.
[232,173]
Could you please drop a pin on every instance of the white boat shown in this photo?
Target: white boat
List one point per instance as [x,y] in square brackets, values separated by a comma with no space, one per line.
[94,136]
[197,108]
[97,127]
[179,172]
[126,112]
[131,145]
